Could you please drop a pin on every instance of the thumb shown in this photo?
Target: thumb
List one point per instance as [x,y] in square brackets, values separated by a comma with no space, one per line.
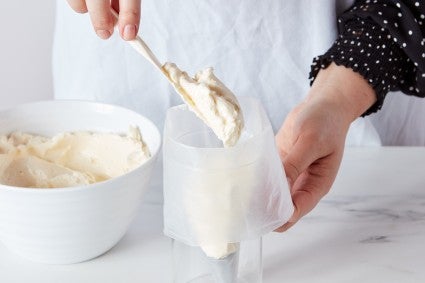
[298,159]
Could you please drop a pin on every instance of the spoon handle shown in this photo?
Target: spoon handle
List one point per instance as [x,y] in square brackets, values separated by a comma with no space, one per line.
[142,47]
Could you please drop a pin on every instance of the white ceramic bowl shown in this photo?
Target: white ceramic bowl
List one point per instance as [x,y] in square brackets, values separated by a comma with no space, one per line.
[75,224]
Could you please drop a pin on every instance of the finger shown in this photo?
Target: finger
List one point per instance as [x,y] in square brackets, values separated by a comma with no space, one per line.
[78,6]
[129,18]
[294,218]
[304,201]
[115,4]
[299,158]
[311,186]
[101,17]
[285,227]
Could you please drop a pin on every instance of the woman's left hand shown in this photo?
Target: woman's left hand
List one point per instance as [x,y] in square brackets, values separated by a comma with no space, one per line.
[312,138]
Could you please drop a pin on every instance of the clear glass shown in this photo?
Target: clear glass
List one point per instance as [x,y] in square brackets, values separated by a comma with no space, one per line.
[215,195]
[192,265]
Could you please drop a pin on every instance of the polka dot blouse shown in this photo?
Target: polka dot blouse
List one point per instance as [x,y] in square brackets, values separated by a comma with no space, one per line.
[384,42]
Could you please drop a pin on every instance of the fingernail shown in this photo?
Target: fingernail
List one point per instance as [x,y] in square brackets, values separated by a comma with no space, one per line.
[103,34]
[129,32]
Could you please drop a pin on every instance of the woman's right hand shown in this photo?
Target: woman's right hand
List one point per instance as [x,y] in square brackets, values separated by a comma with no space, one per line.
[102,19]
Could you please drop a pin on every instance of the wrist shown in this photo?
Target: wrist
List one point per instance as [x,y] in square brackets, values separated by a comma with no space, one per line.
[345,89]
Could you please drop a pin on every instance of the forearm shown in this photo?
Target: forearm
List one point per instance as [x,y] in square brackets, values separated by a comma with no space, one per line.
[348,91]
[382,41]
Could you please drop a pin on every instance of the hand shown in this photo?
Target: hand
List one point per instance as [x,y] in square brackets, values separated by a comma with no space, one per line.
[312,138]
[102,19]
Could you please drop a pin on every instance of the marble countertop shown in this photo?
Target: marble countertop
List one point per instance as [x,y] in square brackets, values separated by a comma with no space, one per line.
[369,228]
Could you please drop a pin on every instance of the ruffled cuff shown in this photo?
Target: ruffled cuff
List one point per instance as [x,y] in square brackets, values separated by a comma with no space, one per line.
[369,50]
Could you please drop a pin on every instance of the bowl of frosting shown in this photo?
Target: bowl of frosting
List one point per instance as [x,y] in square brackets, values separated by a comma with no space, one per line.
[72,176]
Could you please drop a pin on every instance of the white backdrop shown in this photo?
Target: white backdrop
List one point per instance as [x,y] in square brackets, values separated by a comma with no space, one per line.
[25,51]
[26,73]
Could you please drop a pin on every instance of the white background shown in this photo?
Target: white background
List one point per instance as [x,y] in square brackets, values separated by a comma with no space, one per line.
[25,51]
[26,75]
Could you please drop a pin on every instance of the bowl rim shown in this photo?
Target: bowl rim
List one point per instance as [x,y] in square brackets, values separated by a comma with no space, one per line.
[152,158]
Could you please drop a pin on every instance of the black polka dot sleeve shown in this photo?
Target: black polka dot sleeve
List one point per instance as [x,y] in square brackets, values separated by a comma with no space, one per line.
[384,42]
